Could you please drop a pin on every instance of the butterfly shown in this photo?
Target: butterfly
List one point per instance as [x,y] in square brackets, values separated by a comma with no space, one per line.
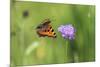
[45,29]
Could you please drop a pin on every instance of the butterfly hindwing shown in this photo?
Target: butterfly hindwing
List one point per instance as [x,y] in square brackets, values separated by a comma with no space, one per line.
[45,29]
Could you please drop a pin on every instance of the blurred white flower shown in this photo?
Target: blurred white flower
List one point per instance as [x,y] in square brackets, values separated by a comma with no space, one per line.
[31,48]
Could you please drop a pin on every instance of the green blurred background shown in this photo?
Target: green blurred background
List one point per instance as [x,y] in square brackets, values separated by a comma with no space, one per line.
[29,49]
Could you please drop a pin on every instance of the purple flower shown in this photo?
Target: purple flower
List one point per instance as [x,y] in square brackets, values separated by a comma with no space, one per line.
[67,31]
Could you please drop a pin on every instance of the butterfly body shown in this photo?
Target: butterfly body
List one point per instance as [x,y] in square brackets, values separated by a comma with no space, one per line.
[45,29]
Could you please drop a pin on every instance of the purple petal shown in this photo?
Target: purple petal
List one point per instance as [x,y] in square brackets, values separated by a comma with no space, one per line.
[67,31]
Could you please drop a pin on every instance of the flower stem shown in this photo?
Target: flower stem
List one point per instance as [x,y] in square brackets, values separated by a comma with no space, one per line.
[73,51]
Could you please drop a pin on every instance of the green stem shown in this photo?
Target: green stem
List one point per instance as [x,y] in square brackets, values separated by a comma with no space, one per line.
[73,51]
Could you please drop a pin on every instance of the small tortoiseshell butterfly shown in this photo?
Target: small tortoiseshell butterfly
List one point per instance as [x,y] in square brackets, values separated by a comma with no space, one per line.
[45,29]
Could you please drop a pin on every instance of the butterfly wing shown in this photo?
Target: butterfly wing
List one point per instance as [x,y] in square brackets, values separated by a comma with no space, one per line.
[44,24]
[45,29]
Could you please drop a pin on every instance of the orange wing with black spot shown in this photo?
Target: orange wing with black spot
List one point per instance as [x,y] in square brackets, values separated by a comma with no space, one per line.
[45,29]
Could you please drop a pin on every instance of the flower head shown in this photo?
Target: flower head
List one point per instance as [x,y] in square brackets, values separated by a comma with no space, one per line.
[67,31]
